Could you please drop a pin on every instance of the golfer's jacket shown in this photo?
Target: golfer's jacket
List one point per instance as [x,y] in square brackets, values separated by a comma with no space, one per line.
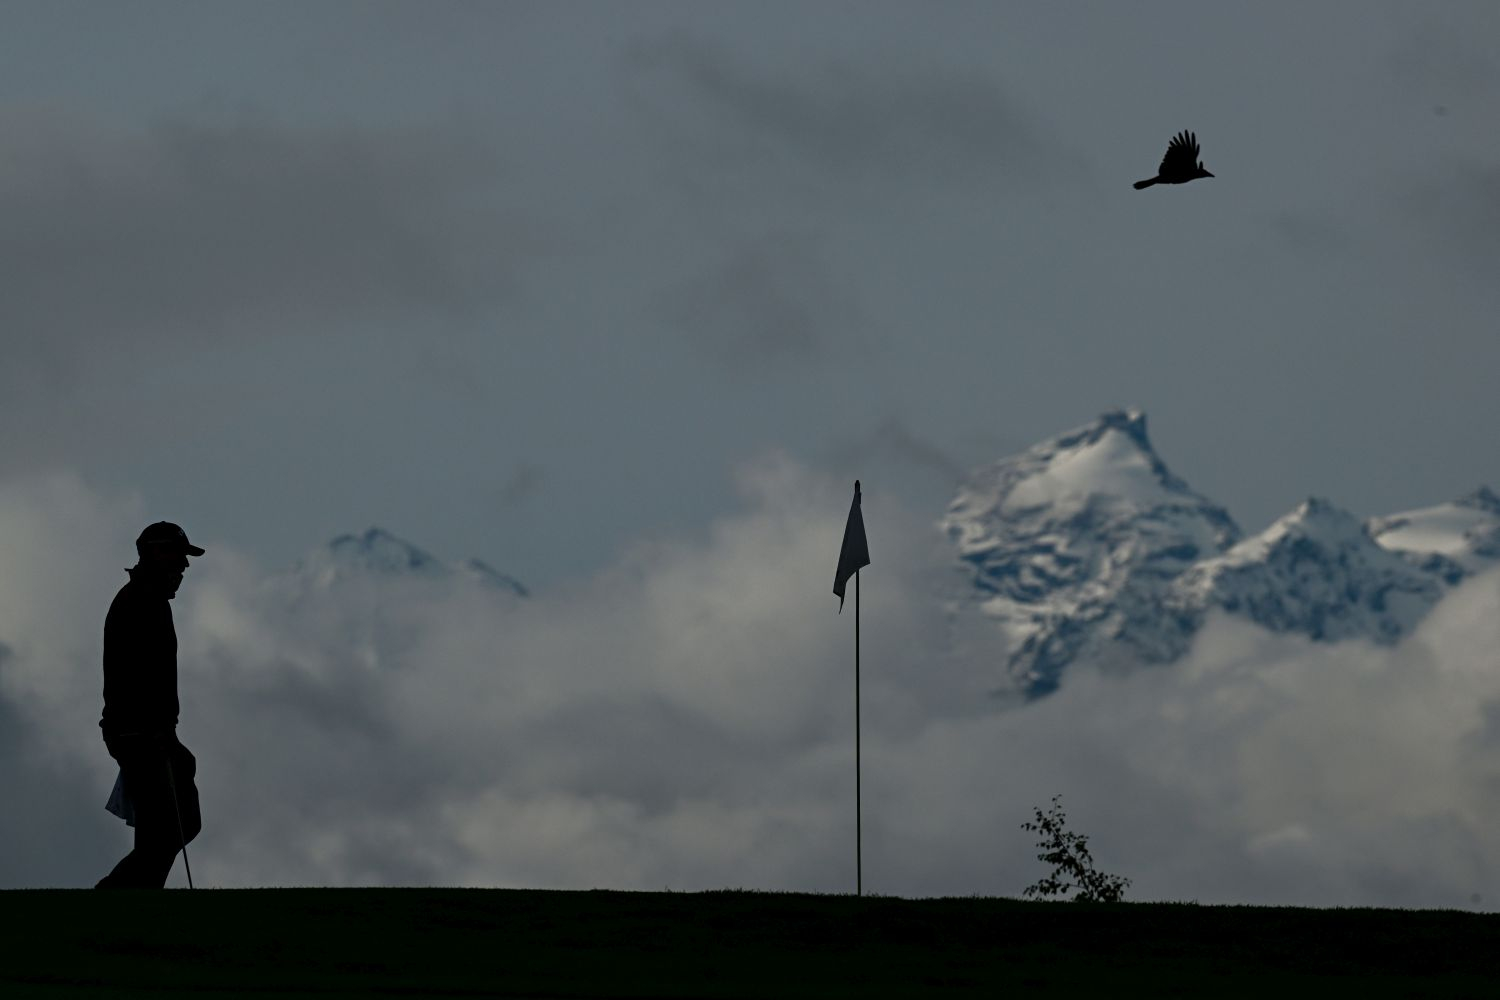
[140,663]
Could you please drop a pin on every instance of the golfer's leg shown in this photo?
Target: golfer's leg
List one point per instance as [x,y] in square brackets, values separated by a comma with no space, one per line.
[122,876]
[156,842]
[144,773]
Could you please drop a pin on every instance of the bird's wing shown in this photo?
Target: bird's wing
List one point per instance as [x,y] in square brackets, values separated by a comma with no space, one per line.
[1182,154]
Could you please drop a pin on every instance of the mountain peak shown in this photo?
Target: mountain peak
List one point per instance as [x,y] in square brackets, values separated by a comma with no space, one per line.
[1451,539]
[1318,571]
[1316,506]
[378,549]
[1108,461]
[1315,515]
[1314,525]
[1483,499]
[1088,526]
[378,554]
[1130,421]
[1086,546]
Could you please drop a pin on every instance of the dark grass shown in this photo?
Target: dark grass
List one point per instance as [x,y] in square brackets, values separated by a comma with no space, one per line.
[513,943]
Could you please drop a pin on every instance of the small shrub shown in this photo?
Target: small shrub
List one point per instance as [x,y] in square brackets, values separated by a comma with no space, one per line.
[1072,865]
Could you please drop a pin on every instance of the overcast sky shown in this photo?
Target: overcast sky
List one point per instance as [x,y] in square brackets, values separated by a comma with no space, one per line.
[527,281]
[567,286]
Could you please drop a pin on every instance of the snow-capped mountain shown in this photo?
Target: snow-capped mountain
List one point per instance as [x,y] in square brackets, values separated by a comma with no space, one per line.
[378,553]
[368,600]
[1452,540]
[1086,545]
[1315,571]
[1074,544]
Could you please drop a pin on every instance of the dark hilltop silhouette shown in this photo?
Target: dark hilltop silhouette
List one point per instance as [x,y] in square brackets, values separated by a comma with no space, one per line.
[1180,164]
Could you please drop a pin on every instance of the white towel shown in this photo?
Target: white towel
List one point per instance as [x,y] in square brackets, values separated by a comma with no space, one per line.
[119,801]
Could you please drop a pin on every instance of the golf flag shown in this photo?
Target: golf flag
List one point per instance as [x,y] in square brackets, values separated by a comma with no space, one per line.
[855,552]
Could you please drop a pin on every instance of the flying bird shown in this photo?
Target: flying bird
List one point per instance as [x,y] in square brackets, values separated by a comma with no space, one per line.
[1180,164]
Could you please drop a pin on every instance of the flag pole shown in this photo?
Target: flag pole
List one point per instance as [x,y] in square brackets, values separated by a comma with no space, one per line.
[854,552]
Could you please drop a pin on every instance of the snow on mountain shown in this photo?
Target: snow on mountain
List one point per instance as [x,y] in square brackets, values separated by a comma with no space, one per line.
[1072,545]
[1086,545]
[1316,571]
[1452,540]
[368,601]
[375,551]
[379,554]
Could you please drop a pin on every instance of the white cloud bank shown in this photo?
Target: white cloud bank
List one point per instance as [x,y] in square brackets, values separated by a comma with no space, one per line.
[685,719]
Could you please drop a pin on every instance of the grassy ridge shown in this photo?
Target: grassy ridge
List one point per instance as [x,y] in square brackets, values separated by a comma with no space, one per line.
[455,942]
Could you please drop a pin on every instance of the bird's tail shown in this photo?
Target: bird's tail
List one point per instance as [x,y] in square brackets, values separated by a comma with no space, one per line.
[1144,184]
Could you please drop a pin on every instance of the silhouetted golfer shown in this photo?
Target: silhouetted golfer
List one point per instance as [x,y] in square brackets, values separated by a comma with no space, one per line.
[1180,164]
[140,710]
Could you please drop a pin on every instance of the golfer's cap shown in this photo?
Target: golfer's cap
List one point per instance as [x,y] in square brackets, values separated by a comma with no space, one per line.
[168,534]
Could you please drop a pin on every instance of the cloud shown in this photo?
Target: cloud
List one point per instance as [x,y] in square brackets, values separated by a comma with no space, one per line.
[167,285]
[524,482]
[1265,769]
[685,719]
[1459,212]
[1444,63]
[124,241]
[852,117]
[769,303]
[893,437]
